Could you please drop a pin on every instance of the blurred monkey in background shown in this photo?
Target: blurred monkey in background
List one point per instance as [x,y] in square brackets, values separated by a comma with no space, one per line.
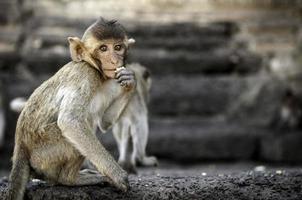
[289,114]
[133,125]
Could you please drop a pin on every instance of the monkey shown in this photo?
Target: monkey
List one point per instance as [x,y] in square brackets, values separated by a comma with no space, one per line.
[133,124]
[54,131]
[289,114]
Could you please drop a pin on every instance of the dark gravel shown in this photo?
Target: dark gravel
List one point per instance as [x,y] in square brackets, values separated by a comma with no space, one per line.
[246,185]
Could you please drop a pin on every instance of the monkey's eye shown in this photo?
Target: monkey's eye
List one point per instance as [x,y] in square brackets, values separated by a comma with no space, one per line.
[103,48]
[117,47]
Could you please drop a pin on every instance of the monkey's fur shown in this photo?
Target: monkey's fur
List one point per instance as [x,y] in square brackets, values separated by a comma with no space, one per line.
[55,130]
[133,124]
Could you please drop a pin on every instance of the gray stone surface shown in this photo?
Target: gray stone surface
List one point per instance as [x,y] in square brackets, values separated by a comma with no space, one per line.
[246,185]
[259,102]
[282,146]
[178,48]
[193,140]
[194,95]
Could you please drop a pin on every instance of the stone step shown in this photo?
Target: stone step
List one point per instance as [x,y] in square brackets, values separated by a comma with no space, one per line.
[177,48]
[213,95]
[54,31]
[170,95]
[280,185]
[10,11]
[217,29]
[191,43]
[194,95]
[192,140]
[160,61]
[169,11]
[51,36]
[176,36]
[216,61]
[175,95]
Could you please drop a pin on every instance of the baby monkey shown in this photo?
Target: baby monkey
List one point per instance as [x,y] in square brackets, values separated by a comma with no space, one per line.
[133,124]
[55,130]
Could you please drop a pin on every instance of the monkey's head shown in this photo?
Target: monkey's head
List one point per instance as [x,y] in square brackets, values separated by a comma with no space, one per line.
[104,46]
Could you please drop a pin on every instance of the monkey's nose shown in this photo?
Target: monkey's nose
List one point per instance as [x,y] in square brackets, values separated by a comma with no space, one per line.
[114,60]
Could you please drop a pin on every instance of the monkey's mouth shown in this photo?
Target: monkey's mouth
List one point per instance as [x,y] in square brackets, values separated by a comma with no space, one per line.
[115,69]
[110,70]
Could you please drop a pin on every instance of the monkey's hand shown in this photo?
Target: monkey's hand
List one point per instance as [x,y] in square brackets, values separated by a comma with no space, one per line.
[121,182]
[126,78]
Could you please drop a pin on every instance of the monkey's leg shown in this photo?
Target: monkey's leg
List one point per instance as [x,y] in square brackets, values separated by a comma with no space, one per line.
[63,167]
[51,161]
[84,177]
[88,145]
[121,132]
[139,133]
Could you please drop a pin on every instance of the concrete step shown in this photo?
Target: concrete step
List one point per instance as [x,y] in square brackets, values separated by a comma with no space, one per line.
[174,95]
[192,140]
[160,61]
[177,95]
[224,60]
[194,95]
[218,29]
[249,185]
[9,49]
[176,48]
[10,11]
[243,96]
[57,35]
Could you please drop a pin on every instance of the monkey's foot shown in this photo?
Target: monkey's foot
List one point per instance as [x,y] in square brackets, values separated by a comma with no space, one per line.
[150,161]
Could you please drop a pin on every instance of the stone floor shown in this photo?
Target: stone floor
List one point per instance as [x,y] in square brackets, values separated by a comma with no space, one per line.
[236,180]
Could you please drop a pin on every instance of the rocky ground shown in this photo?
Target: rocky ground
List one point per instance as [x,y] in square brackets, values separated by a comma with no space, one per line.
[170,181]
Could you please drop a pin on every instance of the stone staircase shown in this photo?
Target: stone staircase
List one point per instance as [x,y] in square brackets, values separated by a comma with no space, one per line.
[211,100]
[202,75]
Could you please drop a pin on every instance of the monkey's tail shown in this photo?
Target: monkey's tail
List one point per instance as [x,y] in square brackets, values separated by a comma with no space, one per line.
[19,175]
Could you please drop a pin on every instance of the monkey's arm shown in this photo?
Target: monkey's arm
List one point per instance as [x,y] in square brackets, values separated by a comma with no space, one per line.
[76,127]
[126,79]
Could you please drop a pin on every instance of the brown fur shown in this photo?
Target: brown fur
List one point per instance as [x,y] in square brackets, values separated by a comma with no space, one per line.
[54,131]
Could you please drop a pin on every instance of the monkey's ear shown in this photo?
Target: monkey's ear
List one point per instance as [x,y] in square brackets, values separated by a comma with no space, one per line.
[131,41]
[76,48]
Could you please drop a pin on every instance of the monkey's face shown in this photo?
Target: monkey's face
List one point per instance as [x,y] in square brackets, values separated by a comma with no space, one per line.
[105,55]
[110,54]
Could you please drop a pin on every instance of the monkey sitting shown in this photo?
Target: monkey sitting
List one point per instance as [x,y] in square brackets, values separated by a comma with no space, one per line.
[55,130]
[133,124]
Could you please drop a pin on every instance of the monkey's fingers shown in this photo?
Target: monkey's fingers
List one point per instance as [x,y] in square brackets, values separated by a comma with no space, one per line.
[124,72]
[127,83]
[121,183]
[125,78]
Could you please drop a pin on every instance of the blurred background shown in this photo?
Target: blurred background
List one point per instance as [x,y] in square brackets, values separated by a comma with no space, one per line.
[227,74]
